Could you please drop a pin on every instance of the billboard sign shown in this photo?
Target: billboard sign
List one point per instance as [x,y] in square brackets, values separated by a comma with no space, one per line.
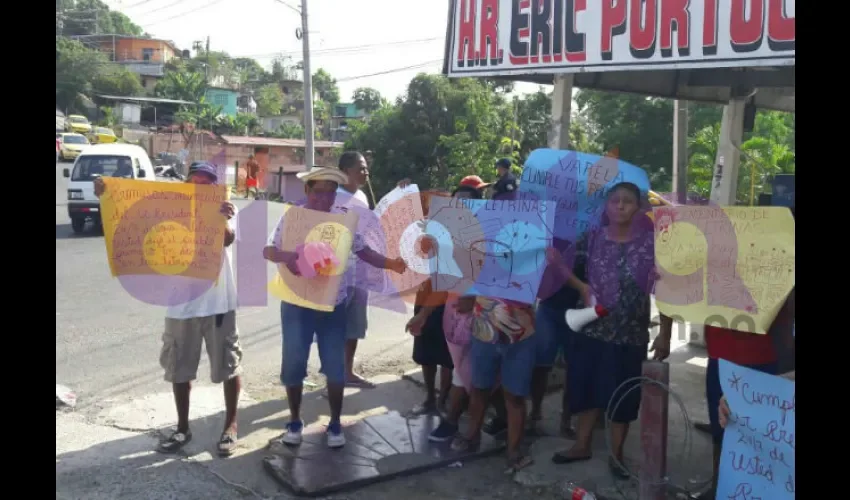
[520,37]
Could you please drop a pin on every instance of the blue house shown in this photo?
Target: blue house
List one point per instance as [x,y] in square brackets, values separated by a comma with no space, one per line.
[226,98]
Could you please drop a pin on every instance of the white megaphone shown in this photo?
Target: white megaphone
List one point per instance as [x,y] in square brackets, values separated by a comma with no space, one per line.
[579,318]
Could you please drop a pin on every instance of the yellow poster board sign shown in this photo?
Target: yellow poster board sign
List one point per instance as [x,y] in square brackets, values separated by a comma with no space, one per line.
[731,267]
[163,228]
[303,226]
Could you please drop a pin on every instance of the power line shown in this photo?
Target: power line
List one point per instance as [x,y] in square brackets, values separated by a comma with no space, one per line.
[291,7]
[205,6]
[352,48]
[387,72]
[168,6]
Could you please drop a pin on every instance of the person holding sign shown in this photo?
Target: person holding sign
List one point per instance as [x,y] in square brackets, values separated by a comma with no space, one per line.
[619,261]
[208,319]
[300,324]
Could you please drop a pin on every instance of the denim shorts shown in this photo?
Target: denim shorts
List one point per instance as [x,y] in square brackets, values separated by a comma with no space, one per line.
[299,325]
[553,334]
[512,363]
[356,314]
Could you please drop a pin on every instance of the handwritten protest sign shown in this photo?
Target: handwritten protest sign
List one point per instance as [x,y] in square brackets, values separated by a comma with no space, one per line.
[577,183]
[302,226]
[494,248]
[759,446]
[401,217]
[163,228]
[728,266]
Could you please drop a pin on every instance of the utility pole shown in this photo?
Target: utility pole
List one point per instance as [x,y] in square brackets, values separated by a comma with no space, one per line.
[206,84]
[680,151]
[309,124]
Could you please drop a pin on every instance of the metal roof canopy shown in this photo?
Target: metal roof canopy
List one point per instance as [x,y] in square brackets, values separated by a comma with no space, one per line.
[153,100]
[771,87]
[774,86]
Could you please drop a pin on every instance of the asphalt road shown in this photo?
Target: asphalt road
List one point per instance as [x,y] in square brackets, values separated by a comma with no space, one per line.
[107,343]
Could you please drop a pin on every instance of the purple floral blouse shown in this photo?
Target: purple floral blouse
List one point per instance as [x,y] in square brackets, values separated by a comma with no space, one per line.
[622,277]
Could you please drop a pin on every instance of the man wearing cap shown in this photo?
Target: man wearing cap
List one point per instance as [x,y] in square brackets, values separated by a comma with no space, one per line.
[191,321]
[506,185]
[301,324]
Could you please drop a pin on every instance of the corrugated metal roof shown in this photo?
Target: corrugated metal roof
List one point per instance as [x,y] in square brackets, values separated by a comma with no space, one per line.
[273,141]
[145,99]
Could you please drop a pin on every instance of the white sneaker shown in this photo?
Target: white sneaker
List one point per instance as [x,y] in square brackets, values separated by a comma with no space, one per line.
[336,439]
[293,433]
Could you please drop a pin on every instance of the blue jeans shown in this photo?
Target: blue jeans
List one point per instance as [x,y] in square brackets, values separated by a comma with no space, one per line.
[299,325]
[553,334]
[514,362]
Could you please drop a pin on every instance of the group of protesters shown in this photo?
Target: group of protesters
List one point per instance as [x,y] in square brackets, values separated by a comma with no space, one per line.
[489,351]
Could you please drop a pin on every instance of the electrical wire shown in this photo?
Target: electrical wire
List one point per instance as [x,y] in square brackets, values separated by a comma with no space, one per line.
[387,72]
[688,442]
[167,6]
[352,48]
[186,13]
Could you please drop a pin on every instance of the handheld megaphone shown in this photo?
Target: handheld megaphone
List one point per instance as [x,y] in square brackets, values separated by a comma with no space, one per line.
[579,318]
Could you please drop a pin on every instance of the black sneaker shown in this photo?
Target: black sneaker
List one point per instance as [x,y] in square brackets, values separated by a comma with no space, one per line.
[444,432]
[495,426]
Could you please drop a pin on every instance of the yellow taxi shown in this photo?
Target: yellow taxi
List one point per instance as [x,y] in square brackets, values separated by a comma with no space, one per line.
[102,135]
[77,123]
[71,145]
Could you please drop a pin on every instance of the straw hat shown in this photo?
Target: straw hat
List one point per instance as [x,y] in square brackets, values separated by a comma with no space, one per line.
[323,174]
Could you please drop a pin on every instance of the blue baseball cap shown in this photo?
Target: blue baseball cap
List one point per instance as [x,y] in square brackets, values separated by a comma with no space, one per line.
[202,167]
[504,162]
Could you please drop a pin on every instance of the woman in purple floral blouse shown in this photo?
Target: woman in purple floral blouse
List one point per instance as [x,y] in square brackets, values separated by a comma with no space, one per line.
[620,268]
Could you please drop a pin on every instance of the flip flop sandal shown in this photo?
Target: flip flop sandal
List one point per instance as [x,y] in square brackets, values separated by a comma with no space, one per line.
[226,444]
[360,384]
[174,442]
[562,457]
[518,463]
[422,409]
[617,470]
[462,445]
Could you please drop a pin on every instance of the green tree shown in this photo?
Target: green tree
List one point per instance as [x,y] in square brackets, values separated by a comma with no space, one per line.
[440,131]
[325,85]
[76,67]
[269,100]
[289,131]
[766,152]
[183,85]
[368,99]
[117,80]
[87,17]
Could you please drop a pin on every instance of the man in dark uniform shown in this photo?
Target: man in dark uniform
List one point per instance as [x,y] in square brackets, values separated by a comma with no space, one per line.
[506,185]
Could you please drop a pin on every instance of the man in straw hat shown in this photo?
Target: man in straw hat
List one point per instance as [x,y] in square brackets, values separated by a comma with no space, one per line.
[300,324]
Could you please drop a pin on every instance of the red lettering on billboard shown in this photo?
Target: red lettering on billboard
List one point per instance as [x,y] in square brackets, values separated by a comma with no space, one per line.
[675,17]
[746,26]
[613,24]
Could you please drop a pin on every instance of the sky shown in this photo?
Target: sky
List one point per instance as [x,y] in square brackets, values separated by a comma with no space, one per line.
[397,34]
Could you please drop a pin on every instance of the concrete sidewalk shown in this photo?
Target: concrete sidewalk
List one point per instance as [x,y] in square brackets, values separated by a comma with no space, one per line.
[110,455]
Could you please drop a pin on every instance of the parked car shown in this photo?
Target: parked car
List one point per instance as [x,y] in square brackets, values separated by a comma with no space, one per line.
[109,160]
[77,123]
[102,135]
[71,145]
[60,121]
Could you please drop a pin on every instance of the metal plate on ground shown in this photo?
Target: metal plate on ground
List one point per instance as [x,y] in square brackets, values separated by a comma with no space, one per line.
[377,448]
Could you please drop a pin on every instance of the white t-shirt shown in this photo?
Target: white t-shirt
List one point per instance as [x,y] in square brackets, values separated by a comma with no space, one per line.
[347,197]
[220,298]
[358,244]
